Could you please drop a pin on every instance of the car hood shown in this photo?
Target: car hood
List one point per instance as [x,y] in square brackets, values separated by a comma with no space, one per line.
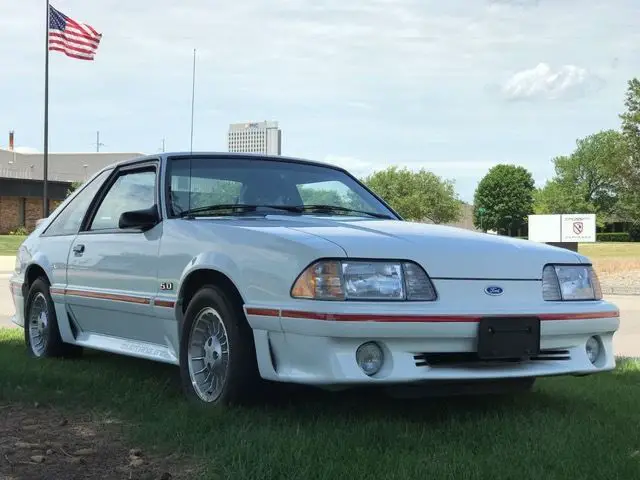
[445,252]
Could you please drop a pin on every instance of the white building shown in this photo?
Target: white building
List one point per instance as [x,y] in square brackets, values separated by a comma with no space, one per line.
[255,137]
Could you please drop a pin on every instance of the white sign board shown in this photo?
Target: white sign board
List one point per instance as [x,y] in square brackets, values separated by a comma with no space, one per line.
[579,228]
[545,228]
[563,228]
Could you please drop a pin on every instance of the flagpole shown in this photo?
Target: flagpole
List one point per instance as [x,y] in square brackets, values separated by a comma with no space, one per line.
[45,193]
[193,94]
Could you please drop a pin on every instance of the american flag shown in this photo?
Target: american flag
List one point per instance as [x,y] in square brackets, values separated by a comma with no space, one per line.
[74,39]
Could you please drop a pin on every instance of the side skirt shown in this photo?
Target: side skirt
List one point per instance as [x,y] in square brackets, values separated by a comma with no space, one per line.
[131,348]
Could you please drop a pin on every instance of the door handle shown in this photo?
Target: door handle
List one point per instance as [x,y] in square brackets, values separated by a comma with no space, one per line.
[79,248]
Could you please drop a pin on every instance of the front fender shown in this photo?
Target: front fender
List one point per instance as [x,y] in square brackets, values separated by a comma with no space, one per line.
[214,261]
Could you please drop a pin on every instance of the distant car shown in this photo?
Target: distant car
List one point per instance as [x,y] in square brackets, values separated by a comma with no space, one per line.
[242,268]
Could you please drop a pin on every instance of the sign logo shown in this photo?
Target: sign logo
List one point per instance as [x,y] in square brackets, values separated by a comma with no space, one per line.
[493,290]
[578,227]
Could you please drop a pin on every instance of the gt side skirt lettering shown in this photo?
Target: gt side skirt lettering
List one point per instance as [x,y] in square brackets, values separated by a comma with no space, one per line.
[473,318]
[113,297]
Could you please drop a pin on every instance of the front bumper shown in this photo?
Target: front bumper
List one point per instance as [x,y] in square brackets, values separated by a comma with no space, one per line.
[15,287]
[319,348]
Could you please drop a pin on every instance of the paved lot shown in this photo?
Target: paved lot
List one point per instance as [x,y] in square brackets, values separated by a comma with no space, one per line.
[6,305]
[626,341]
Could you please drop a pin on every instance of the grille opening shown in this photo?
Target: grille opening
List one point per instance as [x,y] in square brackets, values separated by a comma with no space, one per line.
[471,358]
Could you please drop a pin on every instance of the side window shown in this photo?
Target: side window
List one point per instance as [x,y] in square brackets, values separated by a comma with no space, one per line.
[68,221]
[131,191]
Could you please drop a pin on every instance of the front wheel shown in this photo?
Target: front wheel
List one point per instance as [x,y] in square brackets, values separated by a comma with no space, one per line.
[217,353]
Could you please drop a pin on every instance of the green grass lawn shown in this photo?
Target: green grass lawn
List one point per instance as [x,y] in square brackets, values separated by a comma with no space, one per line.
[9,244]
[608,250]
[566,428]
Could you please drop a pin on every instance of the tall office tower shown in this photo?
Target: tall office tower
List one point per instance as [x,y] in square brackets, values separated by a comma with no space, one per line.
[255,137]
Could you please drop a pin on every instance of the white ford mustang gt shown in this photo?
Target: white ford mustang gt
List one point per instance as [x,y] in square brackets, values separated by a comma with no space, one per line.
[244,268]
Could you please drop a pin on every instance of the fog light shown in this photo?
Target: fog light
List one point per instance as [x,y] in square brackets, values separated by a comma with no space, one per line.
[369,357]
[593,349]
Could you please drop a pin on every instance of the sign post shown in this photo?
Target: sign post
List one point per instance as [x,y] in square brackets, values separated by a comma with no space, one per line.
[565,230]
[481,212]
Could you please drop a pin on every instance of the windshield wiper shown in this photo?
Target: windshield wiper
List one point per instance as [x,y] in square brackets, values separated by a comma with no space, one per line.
[239,208]
[335,208]
[236,208]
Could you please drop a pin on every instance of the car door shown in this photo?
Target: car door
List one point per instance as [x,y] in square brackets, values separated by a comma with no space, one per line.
[55,244]
[111,271]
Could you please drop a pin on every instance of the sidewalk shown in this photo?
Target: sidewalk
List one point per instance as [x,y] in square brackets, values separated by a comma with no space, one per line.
[7,264]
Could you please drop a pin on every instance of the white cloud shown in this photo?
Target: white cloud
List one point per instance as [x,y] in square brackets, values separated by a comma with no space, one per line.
[445,169]
[543,82]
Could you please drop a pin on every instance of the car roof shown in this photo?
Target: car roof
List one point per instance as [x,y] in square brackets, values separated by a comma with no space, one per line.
[214,155]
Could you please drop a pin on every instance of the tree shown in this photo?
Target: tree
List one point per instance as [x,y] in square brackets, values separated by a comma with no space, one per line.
[503,198]
[73,187]
[630,185]
[417,195]
[589,180]
[555,198]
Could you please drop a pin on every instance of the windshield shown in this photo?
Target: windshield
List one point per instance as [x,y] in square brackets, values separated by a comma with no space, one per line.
[206,182]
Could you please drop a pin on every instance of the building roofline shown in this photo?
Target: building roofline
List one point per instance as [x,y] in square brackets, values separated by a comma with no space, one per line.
[70,153]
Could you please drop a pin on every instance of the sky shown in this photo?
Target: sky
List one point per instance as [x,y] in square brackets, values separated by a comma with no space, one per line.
[452,86]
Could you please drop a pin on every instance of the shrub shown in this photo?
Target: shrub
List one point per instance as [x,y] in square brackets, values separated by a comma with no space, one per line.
[634,232]
[20,231]
[613,237]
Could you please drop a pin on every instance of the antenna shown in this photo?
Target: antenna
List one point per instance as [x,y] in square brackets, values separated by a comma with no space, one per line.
[193,94]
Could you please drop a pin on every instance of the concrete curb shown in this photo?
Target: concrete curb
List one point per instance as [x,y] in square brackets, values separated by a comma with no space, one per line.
[620,291]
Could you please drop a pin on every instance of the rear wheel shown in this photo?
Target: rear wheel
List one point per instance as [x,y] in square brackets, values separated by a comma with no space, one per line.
[217,353]
[41,331]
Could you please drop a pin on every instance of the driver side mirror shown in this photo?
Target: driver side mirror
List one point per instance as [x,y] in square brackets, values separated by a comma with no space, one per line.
[143,219]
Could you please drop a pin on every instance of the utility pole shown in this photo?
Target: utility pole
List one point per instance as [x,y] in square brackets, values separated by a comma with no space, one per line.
[98,144]
[162,144]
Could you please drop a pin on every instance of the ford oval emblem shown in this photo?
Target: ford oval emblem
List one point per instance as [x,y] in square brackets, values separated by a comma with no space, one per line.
[493,290]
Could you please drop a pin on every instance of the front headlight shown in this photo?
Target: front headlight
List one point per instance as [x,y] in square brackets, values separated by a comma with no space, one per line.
[570,282]
[364,280]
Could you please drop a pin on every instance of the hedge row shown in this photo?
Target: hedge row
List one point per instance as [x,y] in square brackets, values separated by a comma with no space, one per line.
[614,237]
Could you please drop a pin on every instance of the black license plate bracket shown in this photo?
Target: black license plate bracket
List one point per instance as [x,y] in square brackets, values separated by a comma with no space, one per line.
[510,337]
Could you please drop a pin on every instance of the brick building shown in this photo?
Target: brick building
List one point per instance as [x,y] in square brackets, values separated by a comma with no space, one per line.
[21,181]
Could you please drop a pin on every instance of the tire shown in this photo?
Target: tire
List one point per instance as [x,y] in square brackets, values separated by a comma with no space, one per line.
[42,339]
[241,380]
